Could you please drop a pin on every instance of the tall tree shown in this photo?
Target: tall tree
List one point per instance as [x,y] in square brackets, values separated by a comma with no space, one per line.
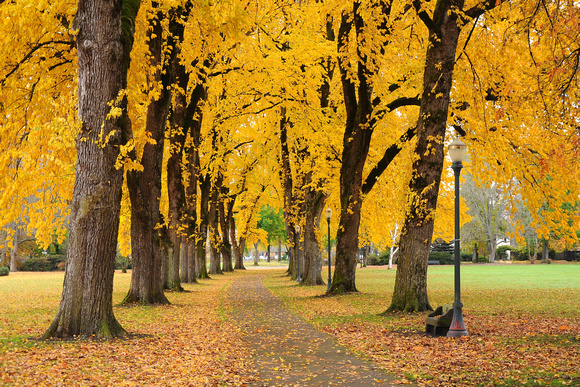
[444,26]
[104,43]
[144,184]
[366,101]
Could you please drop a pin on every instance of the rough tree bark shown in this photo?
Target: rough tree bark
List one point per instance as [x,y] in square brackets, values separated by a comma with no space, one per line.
[104,43]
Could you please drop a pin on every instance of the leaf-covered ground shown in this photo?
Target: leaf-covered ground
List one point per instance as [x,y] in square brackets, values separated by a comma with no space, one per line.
[185,344]
[523,321]
[524,331]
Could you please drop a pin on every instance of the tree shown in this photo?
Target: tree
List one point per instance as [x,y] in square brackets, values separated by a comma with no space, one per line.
[444,26]
[104,43]
[38,122]
[271,221]
[144,184]
[487,206]
[366,101]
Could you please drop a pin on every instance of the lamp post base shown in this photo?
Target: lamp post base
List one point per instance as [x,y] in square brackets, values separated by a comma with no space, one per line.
[457,327]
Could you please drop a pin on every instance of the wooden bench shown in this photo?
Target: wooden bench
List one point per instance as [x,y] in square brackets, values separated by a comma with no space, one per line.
[438,322]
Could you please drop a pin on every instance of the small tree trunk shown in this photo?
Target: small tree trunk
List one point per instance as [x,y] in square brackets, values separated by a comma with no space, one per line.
[14,251]
[214,259]
[226,245]
[237,247]
[545,251]
[279,250]
[205,190]
[256,258]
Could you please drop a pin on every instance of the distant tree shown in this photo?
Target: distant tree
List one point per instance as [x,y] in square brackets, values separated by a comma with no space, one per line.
[487,205]
[272,221]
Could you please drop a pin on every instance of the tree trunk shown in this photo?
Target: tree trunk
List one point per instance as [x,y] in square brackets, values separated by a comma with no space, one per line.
[86,306]
[145,186]
[287,182]
[226,246]
[279,250]
[256,258]
[410,292]
[394,236]
[176,196]
[545,251]
[214,237]
[205,190]
[238,247]
[14,251]
[314,201]
[356,142]
[492,247]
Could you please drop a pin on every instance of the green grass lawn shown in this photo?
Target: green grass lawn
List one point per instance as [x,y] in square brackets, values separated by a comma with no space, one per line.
[523,321]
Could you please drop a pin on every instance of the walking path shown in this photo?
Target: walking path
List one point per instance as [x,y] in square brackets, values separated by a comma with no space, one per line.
[287,350]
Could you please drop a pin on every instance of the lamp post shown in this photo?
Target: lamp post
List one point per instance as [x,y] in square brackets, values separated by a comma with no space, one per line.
[328,213]
[457,328]
[298,276]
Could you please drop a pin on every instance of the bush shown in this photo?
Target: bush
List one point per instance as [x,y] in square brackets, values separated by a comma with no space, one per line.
[444,258]
[4,271]
[44,263]
[501,251]
[372,260]
[381,260]
[384,258]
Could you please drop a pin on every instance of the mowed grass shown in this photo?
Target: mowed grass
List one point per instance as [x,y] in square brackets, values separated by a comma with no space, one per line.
[523,321]
[490,289]
[30,301]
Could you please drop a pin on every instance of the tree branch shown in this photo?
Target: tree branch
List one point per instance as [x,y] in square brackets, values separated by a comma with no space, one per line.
[481,8]
[423,15]
[387,158]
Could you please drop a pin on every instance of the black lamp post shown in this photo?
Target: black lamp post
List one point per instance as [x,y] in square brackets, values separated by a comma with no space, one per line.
[298,276]
[328,213]
[457,328]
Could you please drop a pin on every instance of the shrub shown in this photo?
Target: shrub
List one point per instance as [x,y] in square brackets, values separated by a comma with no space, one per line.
[384,258]
[381,260]
[372,260]
[444,258]
[4,271]
[44,263]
